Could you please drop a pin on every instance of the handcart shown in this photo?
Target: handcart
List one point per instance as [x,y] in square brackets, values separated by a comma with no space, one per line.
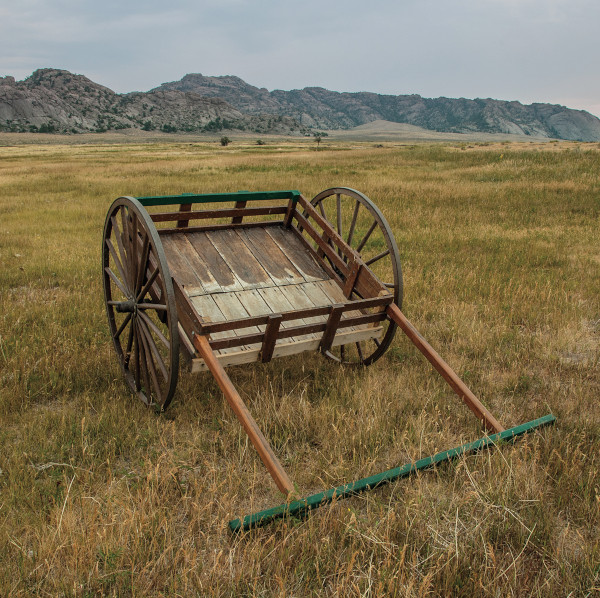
[232,278]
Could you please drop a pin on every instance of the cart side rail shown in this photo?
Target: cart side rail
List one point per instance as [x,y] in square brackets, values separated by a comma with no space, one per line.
[192,198]
[336,318]
[343,263]
[239,215]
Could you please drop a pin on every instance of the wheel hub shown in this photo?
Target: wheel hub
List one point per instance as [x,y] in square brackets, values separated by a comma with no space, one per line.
[129,306]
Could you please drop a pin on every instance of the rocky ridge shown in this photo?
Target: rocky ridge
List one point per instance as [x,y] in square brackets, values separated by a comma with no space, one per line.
[317,107]
[53,100]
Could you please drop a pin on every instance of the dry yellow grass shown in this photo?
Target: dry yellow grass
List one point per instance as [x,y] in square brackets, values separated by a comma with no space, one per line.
[500,252]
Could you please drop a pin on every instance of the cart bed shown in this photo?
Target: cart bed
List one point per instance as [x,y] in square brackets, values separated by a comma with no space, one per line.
[231,274]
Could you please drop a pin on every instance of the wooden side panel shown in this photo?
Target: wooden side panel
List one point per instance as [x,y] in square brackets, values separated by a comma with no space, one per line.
[237,357]
[300,300]
[231,307]
[209,311]
[277,303]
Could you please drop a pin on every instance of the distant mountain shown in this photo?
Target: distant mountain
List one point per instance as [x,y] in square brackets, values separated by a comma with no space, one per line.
[57,101]
[316,107]
[53,100]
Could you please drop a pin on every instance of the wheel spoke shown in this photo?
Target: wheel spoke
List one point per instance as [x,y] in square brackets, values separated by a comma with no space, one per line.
[156,306]
[124,235]
[366,237]
[353,223]
[148,284]
[322,210]
[116,259]
[122,326]
[117,281]
[137,364]
[143,365]
[154,329]
[134,251]
[154,350]
[127,355]
[143,264]
[377,257]
[150,367]
[119,237]
[338,203]
[360,353]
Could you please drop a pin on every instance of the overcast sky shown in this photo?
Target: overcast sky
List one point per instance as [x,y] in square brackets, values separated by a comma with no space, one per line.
[526,50]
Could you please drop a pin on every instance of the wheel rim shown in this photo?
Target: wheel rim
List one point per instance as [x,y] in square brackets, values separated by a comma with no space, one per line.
[362,225]
[140,302]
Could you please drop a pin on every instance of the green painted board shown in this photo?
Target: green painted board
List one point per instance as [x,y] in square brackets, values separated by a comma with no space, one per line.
[165,200]
[300,507]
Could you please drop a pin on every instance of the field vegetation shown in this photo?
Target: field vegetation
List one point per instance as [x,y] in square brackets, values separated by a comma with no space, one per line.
[500,250]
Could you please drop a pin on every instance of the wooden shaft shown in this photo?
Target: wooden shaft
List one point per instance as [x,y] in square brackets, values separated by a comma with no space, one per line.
[458,386]
[241,411]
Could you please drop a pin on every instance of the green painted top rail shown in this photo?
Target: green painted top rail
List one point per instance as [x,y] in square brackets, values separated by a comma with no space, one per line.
[164,200]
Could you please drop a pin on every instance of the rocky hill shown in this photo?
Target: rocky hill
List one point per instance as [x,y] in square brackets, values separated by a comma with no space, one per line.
[52,100]
[320,108]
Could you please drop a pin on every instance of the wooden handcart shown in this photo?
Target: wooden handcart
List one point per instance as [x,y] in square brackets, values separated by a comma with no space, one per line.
[271,274]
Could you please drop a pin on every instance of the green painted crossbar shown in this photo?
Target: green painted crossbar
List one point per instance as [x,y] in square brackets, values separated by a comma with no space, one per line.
[299,507]
[165,200]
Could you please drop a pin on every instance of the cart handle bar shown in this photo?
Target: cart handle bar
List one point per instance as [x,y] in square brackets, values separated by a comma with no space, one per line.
[303,506]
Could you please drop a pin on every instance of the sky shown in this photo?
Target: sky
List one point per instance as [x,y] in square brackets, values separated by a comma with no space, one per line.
[525,50]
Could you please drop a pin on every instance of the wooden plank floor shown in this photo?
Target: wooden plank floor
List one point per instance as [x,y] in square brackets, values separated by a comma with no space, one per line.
[231,274]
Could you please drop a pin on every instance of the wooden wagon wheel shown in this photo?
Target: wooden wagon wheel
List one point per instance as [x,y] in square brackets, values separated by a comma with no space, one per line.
[140,302]
[362,225]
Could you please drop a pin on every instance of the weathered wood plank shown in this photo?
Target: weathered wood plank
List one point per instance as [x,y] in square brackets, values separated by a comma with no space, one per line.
[179,266]
[240,259]
[216,271]
[270,256]
[297,253]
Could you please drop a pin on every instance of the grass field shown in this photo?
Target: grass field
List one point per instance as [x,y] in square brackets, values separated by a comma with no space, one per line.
[501,258]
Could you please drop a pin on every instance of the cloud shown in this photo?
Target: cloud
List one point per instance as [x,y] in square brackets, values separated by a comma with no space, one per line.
[530,50]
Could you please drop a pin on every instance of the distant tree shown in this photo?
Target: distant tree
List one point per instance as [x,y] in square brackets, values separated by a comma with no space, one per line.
[225,141]
[260,142]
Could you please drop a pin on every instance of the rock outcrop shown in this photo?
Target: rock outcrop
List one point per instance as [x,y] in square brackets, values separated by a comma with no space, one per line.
[53,100]
[317,107]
